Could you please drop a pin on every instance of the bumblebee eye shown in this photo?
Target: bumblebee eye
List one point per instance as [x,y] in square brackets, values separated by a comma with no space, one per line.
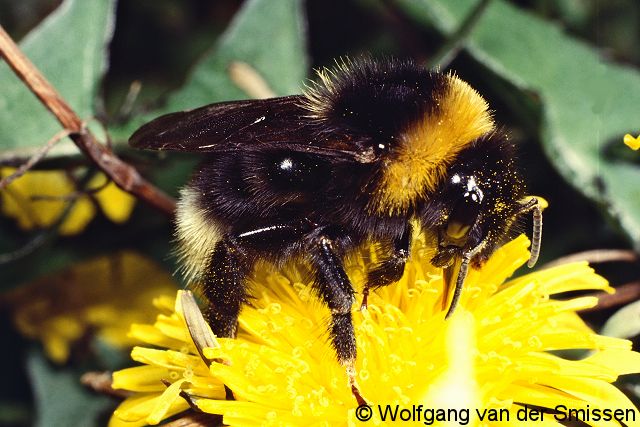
[464,214]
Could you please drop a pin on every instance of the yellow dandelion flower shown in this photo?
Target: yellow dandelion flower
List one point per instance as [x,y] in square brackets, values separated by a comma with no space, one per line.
[104,295]
[631,142]
[480,367]
[165,373]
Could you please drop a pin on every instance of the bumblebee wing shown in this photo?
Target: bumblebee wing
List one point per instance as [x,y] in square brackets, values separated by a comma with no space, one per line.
[236,125]
[217,126]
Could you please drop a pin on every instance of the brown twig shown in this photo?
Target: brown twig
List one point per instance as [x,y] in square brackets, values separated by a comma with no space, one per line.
[596,256]
[124,175]
[625,294]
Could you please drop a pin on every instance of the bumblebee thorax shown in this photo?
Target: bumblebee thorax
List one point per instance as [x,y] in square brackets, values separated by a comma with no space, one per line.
[427,146]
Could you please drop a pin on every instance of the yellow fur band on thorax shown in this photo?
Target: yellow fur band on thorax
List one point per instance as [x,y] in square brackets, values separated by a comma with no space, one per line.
[427,147]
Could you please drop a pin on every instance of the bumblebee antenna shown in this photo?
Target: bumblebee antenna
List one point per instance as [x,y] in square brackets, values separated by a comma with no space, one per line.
[533,205]
[536,238]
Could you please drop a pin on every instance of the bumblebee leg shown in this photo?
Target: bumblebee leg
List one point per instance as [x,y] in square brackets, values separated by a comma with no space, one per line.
[224,286]
[231,262]
[336,290]
[391,269]
[224,283]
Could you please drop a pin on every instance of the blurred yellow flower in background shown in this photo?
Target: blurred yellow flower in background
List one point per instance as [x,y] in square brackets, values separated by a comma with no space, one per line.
[37,200]
[631,142]
[494,353]
[103,296]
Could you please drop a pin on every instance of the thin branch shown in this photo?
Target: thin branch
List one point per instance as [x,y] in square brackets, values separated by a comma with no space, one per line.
[39,155]
[41,238]
[596,256]
[625,294]
[124,175]
[29,247]
[454,44]
[103,126]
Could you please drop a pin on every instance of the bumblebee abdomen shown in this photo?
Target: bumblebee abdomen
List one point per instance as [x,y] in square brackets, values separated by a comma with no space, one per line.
[197,234]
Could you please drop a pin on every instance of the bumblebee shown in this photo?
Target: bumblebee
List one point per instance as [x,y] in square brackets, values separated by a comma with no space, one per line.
[370,149]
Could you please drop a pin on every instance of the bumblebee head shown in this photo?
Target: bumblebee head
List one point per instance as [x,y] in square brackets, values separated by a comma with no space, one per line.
[475,210]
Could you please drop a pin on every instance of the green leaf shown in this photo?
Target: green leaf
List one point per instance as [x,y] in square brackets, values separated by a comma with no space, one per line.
[70,48]
[588,102]
[276,51]
[60,398]
[269,36]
